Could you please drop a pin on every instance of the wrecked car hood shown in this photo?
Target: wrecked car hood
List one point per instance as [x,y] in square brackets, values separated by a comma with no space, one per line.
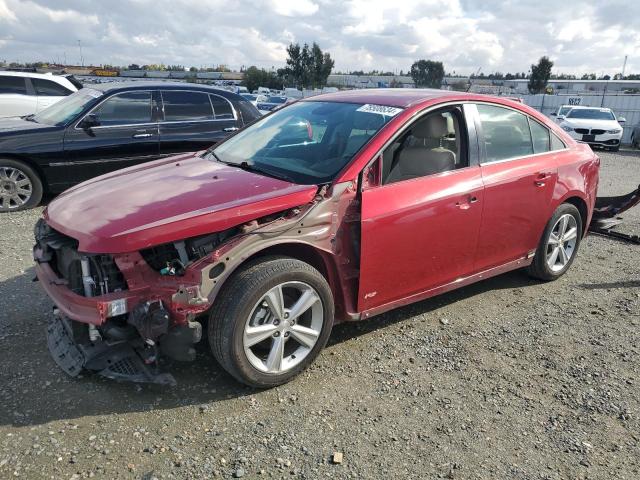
[167,200]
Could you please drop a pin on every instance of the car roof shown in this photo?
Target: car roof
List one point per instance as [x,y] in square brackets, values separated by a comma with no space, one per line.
[391,97]
[146,85]
[61,79]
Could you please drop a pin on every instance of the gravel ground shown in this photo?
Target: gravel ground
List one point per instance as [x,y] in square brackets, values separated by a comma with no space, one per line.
[508,378]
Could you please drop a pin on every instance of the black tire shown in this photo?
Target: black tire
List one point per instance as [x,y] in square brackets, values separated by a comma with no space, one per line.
[615,149]
[36,186]
[234,305]
[539,268]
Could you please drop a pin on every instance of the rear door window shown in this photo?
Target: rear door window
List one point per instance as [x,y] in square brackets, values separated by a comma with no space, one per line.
[221,107]
[15,85]
[184,106]
[556,143]
[505,133]
[47,88]
[125,109]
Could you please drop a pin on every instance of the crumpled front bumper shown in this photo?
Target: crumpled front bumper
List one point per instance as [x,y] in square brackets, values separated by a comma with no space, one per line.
[92,310]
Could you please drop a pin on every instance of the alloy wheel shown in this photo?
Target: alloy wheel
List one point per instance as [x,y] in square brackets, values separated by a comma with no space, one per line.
[15,188]
[283,327]
[562,242]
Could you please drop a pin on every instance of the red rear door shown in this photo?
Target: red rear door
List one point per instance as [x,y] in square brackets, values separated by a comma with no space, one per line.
[519,173]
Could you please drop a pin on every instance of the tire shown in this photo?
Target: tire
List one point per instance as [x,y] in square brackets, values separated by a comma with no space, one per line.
[20,186]
[247,304]
[615,149]
[540,268]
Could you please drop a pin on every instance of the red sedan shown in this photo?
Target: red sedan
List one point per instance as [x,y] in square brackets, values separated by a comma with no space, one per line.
[333,209]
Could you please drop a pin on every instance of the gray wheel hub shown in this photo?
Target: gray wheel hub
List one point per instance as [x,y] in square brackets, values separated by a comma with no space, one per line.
[15,188]
[562,242]
[283,327]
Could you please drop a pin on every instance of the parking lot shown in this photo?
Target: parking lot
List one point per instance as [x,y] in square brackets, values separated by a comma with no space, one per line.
[507,378]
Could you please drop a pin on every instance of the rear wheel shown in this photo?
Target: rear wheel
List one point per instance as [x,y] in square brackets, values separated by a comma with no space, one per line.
[559,244]
[20,186]
[270,321]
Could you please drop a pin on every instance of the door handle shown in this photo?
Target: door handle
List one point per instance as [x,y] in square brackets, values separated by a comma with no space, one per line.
[540,181]
[142,135]
[230,129]
[465,205]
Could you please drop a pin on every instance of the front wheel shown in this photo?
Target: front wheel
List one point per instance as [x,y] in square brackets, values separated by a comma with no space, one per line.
[270,321]
[20,186]
[559,244]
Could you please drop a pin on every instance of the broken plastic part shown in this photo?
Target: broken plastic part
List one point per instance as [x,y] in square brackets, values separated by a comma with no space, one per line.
[605,215]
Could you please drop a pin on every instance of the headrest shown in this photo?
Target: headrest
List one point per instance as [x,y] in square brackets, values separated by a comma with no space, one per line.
[434,126]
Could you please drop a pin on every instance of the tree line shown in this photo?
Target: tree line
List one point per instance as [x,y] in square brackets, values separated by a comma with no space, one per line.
[306,67]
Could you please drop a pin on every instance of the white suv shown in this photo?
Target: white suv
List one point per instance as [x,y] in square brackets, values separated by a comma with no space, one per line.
[24,93]
[595,126]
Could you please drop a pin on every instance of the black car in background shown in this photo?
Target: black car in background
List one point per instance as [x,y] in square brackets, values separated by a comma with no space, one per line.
[107,127]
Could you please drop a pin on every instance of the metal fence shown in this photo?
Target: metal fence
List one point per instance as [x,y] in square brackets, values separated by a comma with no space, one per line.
[624,105]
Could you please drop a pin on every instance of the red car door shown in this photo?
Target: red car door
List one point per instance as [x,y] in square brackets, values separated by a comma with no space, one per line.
[420,228]
[519,184]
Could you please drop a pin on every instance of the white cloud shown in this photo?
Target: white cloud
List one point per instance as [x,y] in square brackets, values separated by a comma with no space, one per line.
[294,8]
[360,34]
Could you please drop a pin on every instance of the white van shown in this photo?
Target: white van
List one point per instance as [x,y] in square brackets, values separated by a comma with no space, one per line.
[24,93]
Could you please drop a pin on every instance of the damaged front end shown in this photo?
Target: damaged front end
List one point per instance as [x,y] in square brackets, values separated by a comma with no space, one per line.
[606,215]
[115,314]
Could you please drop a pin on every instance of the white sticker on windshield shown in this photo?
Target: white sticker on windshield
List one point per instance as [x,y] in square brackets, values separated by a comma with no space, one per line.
[380,110]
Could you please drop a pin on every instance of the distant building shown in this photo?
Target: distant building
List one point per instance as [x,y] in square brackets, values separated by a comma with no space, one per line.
[574,86]
[370,81]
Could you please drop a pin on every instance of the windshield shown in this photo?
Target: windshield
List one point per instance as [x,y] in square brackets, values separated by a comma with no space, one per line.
[276,99]
[60,113]
[591,114]
[306,142]
[563,111]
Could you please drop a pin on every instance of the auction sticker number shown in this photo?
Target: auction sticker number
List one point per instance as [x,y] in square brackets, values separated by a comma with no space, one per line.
[380,110]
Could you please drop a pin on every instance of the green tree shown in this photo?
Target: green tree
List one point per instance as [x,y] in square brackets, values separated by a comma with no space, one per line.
[306,66]
[427,73]
[255,77]
[540,75]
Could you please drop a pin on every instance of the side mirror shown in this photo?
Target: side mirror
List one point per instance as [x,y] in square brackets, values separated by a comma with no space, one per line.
[622,120]
[89,121]
[372,174]
[553,114]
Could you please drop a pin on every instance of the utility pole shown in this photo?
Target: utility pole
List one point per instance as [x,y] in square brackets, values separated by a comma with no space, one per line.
[81,58]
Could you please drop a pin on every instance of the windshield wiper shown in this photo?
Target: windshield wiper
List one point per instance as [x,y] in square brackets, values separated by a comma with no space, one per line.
[29,118]
[251,167]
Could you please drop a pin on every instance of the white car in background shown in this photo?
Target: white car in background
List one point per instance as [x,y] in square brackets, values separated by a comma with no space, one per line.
[254,98]
[25,93]
[561,112]
[595,126]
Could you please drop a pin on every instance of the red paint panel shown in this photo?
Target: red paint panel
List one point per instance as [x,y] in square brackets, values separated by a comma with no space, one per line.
[418,234]
[516,209]
[166,201]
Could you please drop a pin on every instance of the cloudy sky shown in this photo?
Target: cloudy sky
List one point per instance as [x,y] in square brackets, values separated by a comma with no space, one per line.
[495,35]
